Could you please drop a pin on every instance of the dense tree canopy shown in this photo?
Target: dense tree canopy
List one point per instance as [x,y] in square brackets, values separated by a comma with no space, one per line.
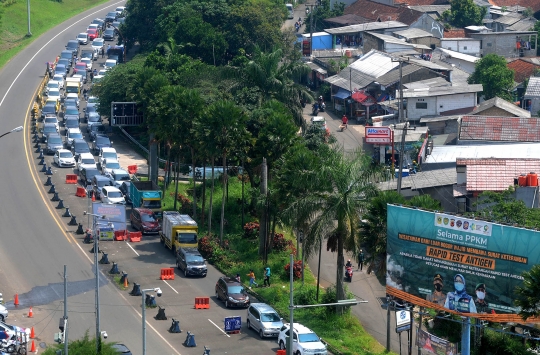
[464,13]
[496,78]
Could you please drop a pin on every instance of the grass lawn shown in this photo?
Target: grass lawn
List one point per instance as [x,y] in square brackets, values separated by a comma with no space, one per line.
[44,15]
[344,333]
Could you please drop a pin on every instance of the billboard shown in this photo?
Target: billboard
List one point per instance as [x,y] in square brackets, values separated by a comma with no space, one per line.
[378,135]
[462,264]
[114,213]
[433,344]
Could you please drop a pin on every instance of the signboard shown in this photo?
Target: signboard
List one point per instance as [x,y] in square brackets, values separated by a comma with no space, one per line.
[115,214]
[462,264]
[233,324]
[378,135]
[403,321]
[125,114]
[433,344]
[105,232]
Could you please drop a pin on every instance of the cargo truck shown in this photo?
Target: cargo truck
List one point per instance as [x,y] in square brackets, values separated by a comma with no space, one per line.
[178,231]
[146,194]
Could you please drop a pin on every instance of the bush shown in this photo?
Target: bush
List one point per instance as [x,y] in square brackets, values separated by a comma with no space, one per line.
[186,204]
[306,294]
[282,244]
[297,269]
[251,230]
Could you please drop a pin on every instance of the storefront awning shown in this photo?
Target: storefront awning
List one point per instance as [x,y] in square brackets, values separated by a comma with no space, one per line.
[363,98]
[342,94]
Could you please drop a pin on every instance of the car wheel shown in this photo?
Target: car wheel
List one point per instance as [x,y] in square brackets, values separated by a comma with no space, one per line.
[217,296]
[281,345]
[261,334]
[1,318]
[185,272]
[227,304]
[248,324]
[298,353]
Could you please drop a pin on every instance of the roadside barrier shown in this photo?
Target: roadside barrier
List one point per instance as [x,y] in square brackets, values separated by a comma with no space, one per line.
[132,169]
[134,236]
[81,192]
[202,302]
[167,273]
[120,235]
[71,178]
[281,352]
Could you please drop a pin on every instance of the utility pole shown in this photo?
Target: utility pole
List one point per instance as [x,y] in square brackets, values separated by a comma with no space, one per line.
[263,223]
[403,120]
[291,307]
[29,34]
[65,313]
[312,6]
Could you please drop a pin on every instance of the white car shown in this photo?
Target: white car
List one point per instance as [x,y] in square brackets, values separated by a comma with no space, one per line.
[86,160]
[52,84]
[80,77]
[97,44]
[82,38]
[305,341]
[102,72]
[120,10]
[88,62]
[52,119]
[109,64]
[112,195]
[54,94]
[71,134]
[3,313]
[12,329]
[63,157]
[93,26]
[107,153]
[118,176]
[109,165]
[319,121]
[92,100]
[60,79]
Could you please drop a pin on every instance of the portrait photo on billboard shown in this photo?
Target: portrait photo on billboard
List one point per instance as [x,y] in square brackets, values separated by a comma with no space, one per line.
[462,264]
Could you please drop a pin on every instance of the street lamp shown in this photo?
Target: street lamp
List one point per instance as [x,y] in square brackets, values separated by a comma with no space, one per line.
[96,270]
[17,129]
[158,292]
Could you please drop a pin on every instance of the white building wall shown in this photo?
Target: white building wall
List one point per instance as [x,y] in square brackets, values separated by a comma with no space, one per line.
[395,47]
[438,104]
[461,64]
[471,47]
[454,102]
[427,23]
[414,113]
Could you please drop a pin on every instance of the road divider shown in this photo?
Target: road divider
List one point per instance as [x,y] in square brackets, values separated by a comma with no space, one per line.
[202,302]
[134,236]
[167,273]
[71,178]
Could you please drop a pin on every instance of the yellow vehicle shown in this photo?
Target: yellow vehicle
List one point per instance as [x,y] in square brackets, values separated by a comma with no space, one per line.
[178,231]
[73,87]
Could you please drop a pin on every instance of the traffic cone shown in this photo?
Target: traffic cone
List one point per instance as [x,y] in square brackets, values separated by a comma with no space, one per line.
[16,302]
[32,333]
[93,197]
[33,348]
[30,313]
[125,282]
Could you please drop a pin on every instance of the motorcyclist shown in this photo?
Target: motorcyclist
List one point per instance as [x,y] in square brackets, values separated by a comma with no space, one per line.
[349,264]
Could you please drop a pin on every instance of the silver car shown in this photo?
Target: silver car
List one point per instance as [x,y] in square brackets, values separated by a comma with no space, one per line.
[264,320]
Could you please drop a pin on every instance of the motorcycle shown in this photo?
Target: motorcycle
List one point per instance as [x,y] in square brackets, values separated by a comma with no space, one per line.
[315,110]
[323,107]
[348,273]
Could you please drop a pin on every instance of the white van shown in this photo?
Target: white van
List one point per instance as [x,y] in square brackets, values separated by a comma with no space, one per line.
[290,10]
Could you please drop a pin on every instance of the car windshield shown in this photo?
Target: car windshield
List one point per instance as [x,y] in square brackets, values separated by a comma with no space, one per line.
[102,140]
[81,66]
[54,92]
[50,120]
[72,111]
[102,183]
[53,85]
[75,135]
[49,129]
[66,55]
[110,64]
[115,194]
[235,289]
[73,124]
[191,258]
[112,165]
[66,155]
[92,100]
[88,161]
[82,36]
[90,109]
[97,43]
[270,317]
[81,146]
[122,177]
[93,117]
[185,237]
[308,338]
[109,155]
[151,204]
[147,217]
[90,173]
[58,77]
[55,140]
[72,45]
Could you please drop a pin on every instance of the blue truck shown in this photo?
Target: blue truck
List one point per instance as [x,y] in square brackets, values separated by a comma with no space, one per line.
[146,194]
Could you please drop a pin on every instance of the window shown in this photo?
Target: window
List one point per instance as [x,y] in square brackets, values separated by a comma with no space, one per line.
[464,48]
[421,105]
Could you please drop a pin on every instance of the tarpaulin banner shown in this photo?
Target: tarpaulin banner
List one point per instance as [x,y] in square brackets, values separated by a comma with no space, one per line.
[433,344]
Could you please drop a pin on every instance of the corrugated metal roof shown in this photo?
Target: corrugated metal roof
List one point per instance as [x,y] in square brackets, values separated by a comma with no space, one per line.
[458,55]
[370,26]
[500,129]
[509,19]
[316,67]
[447,154]
[533,88]
[431,8]
[433,82]
[390,39]
[423,180]
[392,76]
[502,104]
[374,64]
[413,33]
[526,24]
[441,91]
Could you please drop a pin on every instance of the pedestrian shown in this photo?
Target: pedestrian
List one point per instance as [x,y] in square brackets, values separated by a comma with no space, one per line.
[91,76]
[238,277]
[344,121]
[360,260]
[267,274]
[102,52]
[251,276]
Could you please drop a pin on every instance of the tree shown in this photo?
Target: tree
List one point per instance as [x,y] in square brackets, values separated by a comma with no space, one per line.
[528,295]
[83,346]
[464,13]
[496,78]
[322,12]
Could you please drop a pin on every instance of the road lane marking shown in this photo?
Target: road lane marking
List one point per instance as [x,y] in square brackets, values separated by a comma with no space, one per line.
[132,248]
[172,288]
[219,328]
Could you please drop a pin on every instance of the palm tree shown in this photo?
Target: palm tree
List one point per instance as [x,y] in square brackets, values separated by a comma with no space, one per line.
[528,295]
[338,191]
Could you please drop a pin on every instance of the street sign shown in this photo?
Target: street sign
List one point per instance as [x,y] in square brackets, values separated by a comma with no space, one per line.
[125,114]
[403,321]
[378,135]
[233,323]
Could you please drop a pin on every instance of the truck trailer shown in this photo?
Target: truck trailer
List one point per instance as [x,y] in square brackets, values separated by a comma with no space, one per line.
[146,194]
[178,231]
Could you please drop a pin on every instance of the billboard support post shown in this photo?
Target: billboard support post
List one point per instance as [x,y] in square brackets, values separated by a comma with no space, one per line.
[466,337]
[388,324]
[419,327]
[411,330]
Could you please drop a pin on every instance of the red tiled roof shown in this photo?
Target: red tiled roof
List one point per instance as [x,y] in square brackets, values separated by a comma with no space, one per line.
[421,2]
[522,69]
[376,11]
[494,174]
[454,33]
[500,129]
[533,4]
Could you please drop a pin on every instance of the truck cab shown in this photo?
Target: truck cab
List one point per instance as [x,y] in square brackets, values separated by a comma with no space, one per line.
[178,231]
[146,194]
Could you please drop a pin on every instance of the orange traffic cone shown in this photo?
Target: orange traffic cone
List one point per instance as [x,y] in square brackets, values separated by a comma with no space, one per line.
[93,197]
[125,282]
[33,348]
[16,302]
[32,334]
[30,313]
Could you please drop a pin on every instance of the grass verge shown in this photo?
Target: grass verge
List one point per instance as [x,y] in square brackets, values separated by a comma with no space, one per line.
[44,15]
[344,333]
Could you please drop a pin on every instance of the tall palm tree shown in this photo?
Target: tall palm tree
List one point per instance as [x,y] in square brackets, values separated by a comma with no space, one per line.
[335,196]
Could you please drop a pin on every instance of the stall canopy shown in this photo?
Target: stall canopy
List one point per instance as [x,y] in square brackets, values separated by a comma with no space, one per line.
[363,98]
[342,94]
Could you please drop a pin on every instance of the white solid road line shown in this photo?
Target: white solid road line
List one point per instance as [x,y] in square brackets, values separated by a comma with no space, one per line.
[133,249]
[221,330]
[172,288]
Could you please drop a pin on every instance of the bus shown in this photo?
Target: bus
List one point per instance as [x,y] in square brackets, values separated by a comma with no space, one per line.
[290,10]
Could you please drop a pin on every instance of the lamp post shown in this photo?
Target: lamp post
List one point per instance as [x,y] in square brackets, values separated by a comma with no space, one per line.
[158,292]
[17,129]
[96,270]
[28,15]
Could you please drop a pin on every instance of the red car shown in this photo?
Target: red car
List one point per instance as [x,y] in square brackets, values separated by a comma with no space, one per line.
[144,220]
[92,34]
[80,66]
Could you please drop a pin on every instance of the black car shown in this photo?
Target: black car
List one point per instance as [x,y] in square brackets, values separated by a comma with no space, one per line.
[48,109]
[108,34]
[111,16]
[100,142]
[48,128]
[124,188]
[191,262]
[100,22]
[88,110]
[73,46]
[71,122]
[86,175]
[71,111]
[97,129]
[79,146]
[121,349]
[68,55]
[61,68]
[65,62]
[54,142]
[232,292]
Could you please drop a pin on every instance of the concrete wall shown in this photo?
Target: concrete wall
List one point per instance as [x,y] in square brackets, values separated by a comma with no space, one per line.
[414,113]
[427,23]
[495,111]
[427,41]
[443,194]
[535,105]
[438,104]
[461,64]
[443,127]
[470,46]
[503,44]
[371,42]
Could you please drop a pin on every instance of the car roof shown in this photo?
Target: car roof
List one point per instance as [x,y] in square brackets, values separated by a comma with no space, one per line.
[54,134]
[49,125]
[193,251]
[108,150]
[317,119]
[143,210]
[79,140]
[66,51]
[119,171]
[62,150]
[110,187]
[83,33]
[262,307]
[102,136]
[110,161]
[299,328]
[73,41]
[101,177]
[74,130]
[86,155]
[230,281]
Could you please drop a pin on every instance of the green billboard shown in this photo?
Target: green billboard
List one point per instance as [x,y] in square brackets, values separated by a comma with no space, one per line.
[462,264]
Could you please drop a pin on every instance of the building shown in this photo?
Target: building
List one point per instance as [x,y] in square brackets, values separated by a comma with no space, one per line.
[390,44]
[418,36]
[377,11]
[511,44]
[517,5]
[500,24]
[462,61]
[467,46]
[353,35]
[346,20]
[321,40]
[487,129]
[500,107]
[531,98]
[525,24]
[440,100]
[524,68]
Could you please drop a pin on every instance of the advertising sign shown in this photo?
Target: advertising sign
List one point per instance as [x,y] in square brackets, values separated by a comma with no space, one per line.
[403,321]
[115,214]
[378,135]
[233,323]
[433,344]
[465,265]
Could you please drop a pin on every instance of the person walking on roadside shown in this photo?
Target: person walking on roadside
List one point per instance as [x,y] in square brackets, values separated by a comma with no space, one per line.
[267,274]
[102,52]
[251,276]
[360,260]
[344,121]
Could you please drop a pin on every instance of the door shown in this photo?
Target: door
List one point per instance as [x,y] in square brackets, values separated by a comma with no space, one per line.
[255,319]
